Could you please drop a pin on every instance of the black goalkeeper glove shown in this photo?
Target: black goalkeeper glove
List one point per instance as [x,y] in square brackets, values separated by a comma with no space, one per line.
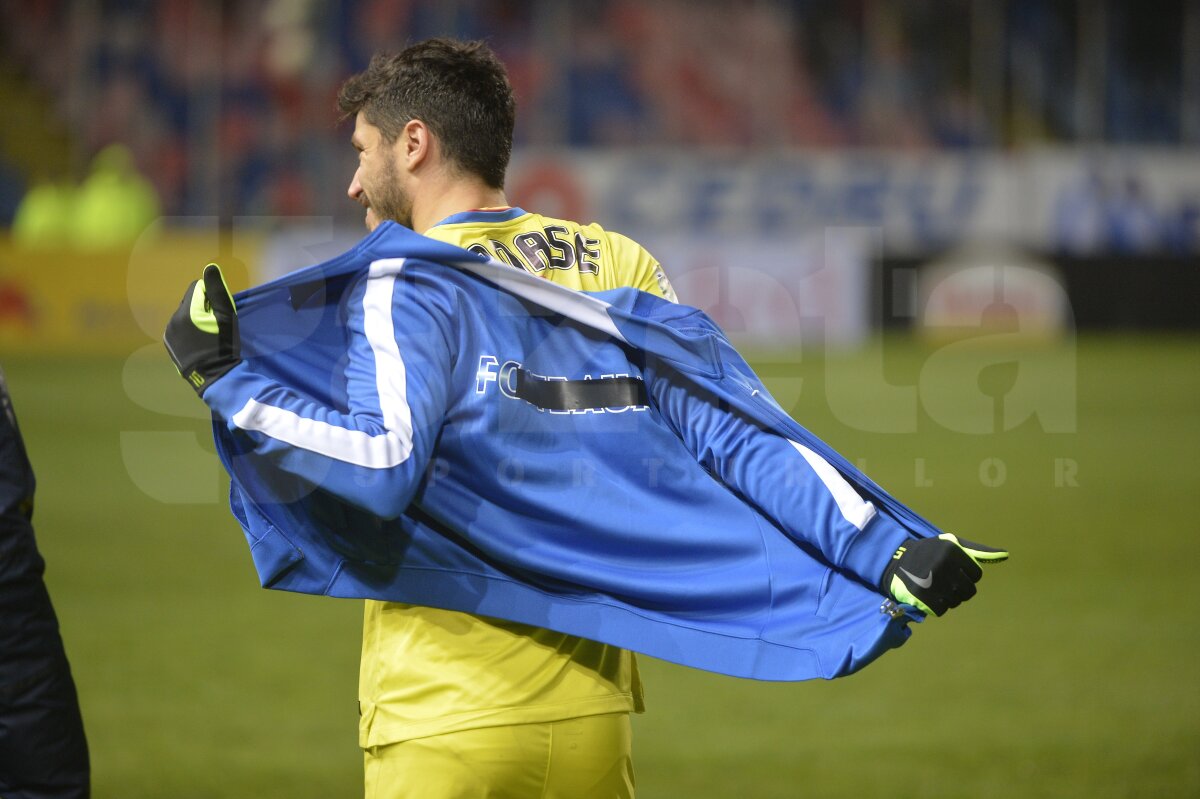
[202,336]
[936,574]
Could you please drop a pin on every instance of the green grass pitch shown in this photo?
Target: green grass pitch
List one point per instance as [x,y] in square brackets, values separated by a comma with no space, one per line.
[1073,674]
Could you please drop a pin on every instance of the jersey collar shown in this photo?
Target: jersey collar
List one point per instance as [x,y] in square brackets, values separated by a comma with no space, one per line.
[500,215]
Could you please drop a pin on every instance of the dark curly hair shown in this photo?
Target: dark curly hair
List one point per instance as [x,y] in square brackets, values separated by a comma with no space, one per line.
[459,89]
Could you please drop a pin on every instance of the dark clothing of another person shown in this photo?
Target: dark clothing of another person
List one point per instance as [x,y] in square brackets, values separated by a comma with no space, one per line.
[43,751]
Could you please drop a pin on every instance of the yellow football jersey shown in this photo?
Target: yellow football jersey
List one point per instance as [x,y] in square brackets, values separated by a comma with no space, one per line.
[426,671]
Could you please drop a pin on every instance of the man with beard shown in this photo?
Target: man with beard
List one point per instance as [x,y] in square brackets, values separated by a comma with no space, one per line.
[454,704]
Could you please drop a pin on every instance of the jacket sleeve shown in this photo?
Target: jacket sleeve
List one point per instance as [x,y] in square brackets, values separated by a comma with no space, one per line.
[374,453]
[789,483]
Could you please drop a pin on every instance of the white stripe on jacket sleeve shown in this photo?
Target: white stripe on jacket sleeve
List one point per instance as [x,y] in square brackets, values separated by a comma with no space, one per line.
[383,450]
[854,508]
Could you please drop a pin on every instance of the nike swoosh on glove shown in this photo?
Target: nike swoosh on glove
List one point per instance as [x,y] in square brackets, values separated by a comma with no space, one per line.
[936,574]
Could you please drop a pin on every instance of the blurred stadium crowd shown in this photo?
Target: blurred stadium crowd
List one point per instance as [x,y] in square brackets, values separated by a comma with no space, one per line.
[230,105]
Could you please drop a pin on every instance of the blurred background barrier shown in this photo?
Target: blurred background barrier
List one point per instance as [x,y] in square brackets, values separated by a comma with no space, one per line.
[110,301]
[1073,200]
[797,247]
[1100,292]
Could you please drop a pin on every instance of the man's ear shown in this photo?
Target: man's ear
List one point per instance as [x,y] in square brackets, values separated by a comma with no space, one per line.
[416,144]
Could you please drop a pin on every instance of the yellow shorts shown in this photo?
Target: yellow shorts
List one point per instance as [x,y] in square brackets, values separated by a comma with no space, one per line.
[584,758]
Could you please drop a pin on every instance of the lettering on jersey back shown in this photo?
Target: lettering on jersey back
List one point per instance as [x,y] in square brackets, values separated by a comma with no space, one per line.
[552,247]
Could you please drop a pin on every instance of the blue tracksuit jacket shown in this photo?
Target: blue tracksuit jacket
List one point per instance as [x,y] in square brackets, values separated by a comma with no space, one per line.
[386,440]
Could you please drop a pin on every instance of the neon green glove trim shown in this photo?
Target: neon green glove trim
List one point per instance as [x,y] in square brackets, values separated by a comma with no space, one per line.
[201,309]
[902,595]
[983,555]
